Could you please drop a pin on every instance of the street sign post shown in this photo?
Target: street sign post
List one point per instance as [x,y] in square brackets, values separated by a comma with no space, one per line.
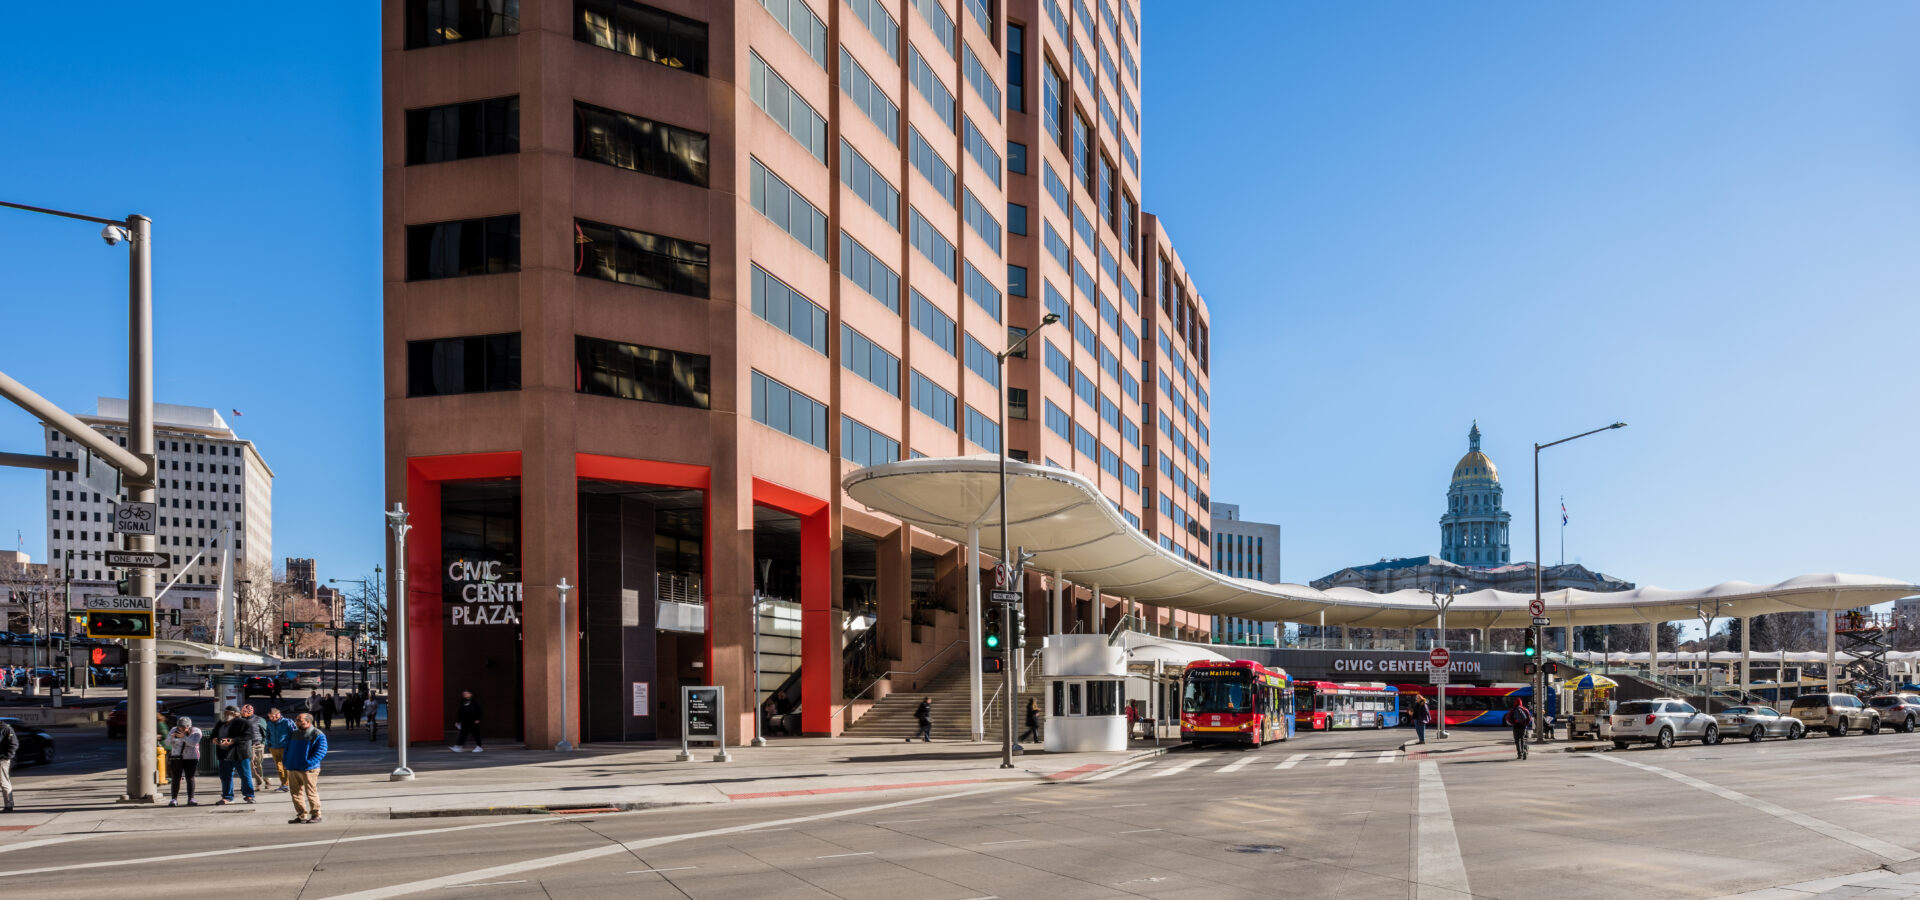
[113,602]
[134,517]
[1542,621]
[99,475]
[1002,575]
[1439,659]
[1007,597]
[135,559]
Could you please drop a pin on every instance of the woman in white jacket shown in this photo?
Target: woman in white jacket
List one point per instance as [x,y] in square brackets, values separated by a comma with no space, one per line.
[183,758]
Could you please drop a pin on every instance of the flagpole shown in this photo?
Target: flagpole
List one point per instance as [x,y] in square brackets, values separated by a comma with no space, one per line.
[1563,532]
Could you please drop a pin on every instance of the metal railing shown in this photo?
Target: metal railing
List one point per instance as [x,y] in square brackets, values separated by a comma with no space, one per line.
[893,672]
[1026,672]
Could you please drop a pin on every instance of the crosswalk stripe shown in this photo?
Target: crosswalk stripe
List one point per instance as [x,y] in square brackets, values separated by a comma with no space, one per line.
[1237,764]
[1387,756]
[1118,770]
[1173,769]
[1292,761]
[1340,759]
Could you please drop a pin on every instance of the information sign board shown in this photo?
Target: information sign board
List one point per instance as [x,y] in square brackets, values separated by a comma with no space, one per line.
[133,517]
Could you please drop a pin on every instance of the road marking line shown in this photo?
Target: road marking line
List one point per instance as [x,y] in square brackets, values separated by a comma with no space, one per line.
[1438,871]
[667,869]
[566,859]
[1173,770]
[839,855]
[1872,845]
[1236,765]
[1292,761]
[324,842]
[1340,759]
[1117,770]
[1014,841]
[1137,831]
[486,884]
[1125,805]
[1387,756]
[899,821]
[28,845]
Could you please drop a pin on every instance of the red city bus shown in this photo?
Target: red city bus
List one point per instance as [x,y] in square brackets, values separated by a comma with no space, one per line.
[1325,705]
[1239,702]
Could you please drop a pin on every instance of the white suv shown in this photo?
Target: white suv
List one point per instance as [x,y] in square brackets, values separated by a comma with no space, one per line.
[1660,722]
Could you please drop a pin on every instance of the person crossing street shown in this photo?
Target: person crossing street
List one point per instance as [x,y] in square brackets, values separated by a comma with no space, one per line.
[1519,718]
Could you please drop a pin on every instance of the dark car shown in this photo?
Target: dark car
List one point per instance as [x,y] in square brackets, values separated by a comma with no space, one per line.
[35,745]
[1901,711]
[117,718]
[260,686]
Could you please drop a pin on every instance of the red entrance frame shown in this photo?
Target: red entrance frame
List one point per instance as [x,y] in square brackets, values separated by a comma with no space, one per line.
[425,654]
[816,601]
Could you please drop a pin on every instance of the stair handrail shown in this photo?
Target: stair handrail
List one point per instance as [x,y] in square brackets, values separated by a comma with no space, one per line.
[892,672]
[1025,670]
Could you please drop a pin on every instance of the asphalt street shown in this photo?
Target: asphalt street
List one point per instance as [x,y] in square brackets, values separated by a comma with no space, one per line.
[1342,815]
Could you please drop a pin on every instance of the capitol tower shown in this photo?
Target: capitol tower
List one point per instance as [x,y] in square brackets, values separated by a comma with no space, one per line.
[1474,530]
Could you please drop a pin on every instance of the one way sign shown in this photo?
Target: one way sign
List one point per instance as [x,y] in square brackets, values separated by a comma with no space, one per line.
[136,559]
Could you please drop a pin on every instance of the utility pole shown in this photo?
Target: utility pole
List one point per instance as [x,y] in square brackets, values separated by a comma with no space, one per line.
[1539,632]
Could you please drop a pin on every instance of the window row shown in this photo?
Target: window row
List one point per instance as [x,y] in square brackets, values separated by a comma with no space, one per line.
[779,202]
[870,274]
[634,372]
[788,411]
[793,113]
[929,320]
[800,21]
[463,365]
[929,86]
[431,23]
[639,144]
[640,258]
[933,245]
[869,185]
[982,222]
[642,32]
[868,97]
[789,310]
[933,400]
[865,446]
[873,14]
[869,360]
[936,18]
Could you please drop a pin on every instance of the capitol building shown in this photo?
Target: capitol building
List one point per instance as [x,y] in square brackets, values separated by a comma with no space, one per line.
[1475,551]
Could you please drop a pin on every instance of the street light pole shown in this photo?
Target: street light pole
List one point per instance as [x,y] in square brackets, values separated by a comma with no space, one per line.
[1442,686]
[1540,632]
[1009,560]
[397,654]
[564,745]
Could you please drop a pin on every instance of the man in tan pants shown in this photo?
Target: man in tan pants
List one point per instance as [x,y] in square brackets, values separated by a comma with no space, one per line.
[306,747]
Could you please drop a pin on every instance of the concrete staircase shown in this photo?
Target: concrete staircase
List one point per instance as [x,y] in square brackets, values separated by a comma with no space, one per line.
[892,718]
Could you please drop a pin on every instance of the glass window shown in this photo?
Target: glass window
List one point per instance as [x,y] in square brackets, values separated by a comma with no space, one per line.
[869,185]
[933,400]
[867,95]
[864,269]
[801,22]
[930,165]
[778,201]
[642,32]
[981,150]
[937,19]
[463,130]
[929,320]
[463,365]
[1016,67]
[431,23]
[1016,157]
[639,145]
[639,258]
[788,411]
[633,372]
[794,114]
[864,445]
[930,88]
[789,311]
[1017,281]
[487,246]
[869,360]
[933,245]
[981,80]
[879,23]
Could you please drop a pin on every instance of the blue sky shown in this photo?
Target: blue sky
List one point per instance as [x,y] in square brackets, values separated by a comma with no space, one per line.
[1699,218]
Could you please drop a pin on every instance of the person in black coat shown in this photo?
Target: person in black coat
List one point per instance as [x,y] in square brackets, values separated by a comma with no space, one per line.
[329,705]
[468,718]
[1033,721]
[924,714]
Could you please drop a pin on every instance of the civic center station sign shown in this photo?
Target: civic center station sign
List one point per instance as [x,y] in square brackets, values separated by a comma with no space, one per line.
[1413,666]
[485,599]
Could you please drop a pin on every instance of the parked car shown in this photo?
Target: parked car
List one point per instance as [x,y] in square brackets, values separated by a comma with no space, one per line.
[1660,722]
[1837,713]
[35,745]
[1759,723]
[117,718]
[307,680]
[1901,711]
[260,685]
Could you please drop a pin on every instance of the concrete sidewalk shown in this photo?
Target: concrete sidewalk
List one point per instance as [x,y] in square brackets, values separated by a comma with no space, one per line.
[515,780]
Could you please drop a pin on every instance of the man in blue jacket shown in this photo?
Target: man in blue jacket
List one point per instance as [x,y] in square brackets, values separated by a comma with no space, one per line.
[306,747]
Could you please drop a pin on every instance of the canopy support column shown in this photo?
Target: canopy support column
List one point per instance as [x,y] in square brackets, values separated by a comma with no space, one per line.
[1059,613]
[1833,623]
[1653,650]
[1098,613]
[1345,639]
[974,645]
[1746,657]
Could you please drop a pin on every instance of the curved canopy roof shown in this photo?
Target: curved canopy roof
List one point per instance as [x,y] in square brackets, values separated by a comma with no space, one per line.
[1062,518]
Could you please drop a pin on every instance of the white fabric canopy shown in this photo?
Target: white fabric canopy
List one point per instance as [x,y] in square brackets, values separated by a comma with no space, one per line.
[1062,518]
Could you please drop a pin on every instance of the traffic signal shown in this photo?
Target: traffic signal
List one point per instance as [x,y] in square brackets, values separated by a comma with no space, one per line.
[108,655]
[126,623]
[992,664]
[286,630]
[1553,668]
[992,630]
[1533,648]
[1530,669]
[1019,637]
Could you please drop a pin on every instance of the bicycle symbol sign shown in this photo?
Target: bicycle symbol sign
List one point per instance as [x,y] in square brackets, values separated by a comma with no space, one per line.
[133,518]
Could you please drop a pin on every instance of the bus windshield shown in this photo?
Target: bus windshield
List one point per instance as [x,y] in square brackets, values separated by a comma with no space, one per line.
[1218,695]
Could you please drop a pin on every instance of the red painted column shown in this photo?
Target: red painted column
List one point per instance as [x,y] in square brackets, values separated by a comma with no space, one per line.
[819,632]
[423,657]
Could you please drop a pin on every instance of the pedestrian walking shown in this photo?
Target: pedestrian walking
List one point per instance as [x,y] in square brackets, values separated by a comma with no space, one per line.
[9,748]
[468,718]
[183,758]
[1420,713]
[1519,718]
[306,747]
[257,756]
[374,705]
[328,706]
[1033,721]
[278,728]
[233,745]
[924,714]
[355,706]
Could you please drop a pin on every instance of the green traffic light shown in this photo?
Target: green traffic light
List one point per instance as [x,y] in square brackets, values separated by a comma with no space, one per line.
[993,642]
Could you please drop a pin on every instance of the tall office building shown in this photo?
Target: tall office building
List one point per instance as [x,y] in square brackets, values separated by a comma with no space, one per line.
[1244,549]
[659,274]
[215,493]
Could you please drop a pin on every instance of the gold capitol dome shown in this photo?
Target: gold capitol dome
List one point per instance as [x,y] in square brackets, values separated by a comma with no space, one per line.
[1475,467]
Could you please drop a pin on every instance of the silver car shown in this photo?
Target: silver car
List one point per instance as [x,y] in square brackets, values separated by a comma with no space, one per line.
[1660,722]
[1759,723]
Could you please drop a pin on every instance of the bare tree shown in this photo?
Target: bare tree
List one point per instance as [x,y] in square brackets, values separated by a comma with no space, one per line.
[34,593]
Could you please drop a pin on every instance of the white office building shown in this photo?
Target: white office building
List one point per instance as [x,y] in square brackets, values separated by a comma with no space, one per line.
[213,488]
[1244,549]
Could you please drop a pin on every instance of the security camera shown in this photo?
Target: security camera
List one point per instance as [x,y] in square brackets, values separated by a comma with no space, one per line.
[113,234]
